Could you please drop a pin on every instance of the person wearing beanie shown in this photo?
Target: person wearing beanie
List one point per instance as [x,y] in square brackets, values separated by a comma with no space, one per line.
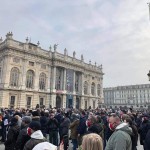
[23,137]
[73,127]
[34,131]
[35,115]
[12,135]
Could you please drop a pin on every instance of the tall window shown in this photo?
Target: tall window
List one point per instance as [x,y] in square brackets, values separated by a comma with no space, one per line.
[41,101]
[14,77]
[12,101]
[93,89]
[28,102]
[59,78]
[0,74]
[85,87]
[42,81]
[29,79]
[98,89]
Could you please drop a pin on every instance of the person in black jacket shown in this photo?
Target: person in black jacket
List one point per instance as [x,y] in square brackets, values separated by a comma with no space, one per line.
[147,141]
[82,127]
[23,137]
[52,126]
[43,121]
[12,135]
[144,127]
[134,136]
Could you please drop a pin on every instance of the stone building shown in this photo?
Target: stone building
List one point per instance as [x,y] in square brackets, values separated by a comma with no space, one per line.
[133,96]
[30,75]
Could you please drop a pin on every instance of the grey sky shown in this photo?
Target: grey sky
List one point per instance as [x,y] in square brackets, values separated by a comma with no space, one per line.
[114,33]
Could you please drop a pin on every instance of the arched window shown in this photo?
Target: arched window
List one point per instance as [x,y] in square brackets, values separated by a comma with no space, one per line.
[42,81]
[93,88]
[98,89]
[14,76]
[29,79]
[85,87]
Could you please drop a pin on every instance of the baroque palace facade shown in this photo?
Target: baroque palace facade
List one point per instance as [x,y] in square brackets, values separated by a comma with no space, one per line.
[30,75]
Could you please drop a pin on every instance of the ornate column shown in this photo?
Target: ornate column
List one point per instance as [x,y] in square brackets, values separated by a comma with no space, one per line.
[6,71]
[74,73]
[64,82]
[23,73]
[82,102]
[74,101]
[54,79]
[36,84]
[48,78]
[82,83]
[64,101]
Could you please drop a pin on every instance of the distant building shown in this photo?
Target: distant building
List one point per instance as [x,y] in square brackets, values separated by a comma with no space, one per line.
[133,96]
[30,75]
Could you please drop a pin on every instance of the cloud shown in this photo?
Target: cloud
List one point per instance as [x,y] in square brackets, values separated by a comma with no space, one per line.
[113,33]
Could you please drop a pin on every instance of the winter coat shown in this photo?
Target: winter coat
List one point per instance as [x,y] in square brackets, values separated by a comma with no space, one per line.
[144,127]
[120,139]
[43,121]
[36,118]
[134,137]
[64,126]
[82,126]
[23,137]
[52,125]
[73,128]
[36,138]
[12,135]
[147,141]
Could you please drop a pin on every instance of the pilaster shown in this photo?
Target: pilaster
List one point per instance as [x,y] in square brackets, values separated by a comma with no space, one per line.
[74,101]
[64,101]
[64,81]
[74,73]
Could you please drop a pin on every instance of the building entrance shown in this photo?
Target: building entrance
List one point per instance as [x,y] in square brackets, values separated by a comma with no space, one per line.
[58,102]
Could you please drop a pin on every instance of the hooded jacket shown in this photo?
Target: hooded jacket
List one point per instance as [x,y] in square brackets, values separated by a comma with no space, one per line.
[36,138]
[45,146]
[120,139]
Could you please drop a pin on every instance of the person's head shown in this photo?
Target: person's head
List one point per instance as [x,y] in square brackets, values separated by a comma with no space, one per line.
[124,117]
[114,121]
[129,121]
[98,119]
[35,113]
[52,115]
[92,142]
[33,126]
[26,121]
[92,119]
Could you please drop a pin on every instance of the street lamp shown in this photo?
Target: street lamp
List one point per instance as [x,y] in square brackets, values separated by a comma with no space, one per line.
[148,75]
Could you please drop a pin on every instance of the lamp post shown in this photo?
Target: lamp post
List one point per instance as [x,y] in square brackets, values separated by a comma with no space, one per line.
[148,75]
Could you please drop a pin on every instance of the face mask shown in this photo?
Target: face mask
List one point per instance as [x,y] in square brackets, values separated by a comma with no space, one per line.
[111,126]
[29,131]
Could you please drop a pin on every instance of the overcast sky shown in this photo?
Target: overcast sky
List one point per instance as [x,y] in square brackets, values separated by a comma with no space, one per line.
[114,33]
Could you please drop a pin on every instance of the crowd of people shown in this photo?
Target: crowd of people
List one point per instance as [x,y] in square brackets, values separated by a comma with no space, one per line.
[52,129]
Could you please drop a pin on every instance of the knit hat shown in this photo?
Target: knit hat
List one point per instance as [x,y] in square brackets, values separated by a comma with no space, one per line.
[35,125]
[27,119]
